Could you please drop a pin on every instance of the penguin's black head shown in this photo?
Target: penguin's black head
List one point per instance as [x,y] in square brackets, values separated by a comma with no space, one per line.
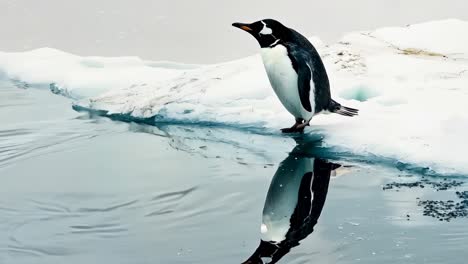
[268,32]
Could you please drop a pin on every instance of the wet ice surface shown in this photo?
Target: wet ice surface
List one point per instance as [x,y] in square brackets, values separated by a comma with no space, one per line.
[82,189]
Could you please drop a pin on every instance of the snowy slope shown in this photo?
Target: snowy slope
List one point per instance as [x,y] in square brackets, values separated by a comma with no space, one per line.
[410,84]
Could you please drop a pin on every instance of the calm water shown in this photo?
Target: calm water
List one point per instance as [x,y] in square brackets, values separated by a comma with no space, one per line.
[82,189]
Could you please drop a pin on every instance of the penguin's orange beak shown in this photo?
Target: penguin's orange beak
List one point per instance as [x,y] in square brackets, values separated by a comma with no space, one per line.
[242,26]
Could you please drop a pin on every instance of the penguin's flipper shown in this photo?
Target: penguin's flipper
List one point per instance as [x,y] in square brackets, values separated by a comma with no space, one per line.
[304,75]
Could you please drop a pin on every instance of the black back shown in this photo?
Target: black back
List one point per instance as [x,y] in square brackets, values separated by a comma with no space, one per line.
[300,51]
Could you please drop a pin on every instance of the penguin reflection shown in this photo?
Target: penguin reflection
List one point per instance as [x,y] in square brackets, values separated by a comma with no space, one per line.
[293,205]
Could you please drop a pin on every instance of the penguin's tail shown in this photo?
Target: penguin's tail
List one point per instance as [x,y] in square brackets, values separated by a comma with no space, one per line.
[337,108]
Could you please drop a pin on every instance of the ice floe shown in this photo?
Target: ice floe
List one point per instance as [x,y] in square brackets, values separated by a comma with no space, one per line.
[410,84]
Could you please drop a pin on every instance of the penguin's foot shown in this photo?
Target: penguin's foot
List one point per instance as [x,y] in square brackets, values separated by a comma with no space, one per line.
[292,130]
[298,127]
[302,126]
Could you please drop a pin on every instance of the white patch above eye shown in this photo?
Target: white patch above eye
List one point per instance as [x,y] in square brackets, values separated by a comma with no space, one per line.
[265,30]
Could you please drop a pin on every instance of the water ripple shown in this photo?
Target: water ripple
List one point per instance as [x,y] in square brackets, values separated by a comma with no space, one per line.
[109,208]
[98,229]
[177,195]
[37,251]
[166,202]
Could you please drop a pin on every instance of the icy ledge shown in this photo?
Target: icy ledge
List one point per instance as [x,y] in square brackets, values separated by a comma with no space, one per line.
[410,83]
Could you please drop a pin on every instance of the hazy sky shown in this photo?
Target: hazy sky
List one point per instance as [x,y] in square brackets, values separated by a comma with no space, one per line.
[197,31]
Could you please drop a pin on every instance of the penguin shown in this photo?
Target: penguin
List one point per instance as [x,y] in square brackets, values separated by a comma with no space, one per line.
[296,72]
[293,205]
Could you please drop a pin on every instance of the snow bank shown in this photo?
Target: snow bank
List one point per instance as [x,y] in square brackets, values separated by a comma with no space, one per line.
[84,77]
[409,83]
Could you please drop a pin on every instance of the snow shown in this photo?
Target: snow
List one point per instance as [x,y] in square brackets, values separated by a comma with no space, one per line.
[84,77]
[410,84]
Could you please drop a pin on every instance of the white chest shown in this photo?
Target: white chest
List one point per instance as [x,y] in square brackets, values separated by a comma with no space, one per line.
[283,79]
